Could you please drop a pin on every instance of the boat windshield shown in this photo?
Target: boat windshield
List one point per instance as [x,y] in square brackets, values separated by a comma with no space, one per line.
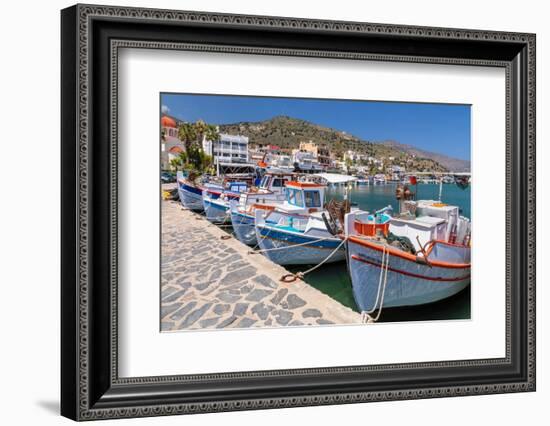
[265,182]
[295,197]
[278,183]
[313,198]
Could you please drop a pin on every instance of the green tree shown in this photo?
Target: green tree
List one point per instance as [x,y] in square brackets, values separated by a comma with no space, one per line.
[192,135]
[187,134]
[175,163]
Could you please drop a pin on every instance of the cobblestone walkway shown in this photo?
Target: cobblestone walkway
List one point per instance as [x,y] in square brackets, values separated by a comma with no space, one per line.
[209,282]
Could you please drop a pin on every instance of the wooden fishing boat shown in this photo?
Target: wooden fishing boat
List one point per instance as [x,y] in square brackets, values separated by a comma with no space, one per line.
[216,201]
[290,239]
[190,193]
[269,193]
[420,258]
[297,231]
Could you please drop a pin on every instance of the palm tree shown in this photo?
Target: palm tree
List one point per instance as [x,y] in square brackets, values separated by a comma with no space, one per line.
[211,133]
[187,134]
[176,163]
[200,129]
[182,156]
[192,135]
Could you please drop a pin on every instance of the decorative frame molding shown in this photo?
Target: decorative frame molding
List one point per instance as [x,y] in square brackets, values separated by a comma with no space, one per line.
[91,38]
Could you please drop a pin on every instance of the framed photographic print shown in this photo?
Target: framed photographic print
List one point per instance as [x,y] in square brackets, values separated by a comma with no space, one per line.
[263,212]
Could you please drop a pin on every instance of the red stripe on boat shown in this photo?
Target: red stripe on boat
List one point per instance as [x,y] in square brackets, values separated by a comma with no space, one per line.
[410,274]
[407,256]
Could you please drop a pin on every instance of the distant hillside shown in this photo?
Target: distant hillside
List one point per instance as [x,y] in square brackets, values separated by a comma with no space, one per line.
[287,133]
[450,163]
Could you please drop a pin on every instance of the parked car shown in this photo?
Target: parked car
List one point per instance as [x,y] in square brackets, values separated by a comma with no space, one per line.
[167,177]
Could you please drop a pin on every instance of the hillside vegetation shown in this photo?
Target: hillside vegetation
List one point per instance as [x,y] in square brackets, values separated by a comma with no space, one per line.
[287,133]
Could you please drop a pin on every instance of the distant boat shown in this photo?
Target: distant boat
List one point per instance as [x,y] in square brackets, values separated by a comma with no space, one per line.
[363,180]
[419,259]
[379,179]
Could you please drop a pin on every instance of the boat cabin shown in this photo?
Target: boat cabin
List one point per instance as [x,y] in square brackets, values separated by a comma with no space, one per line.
[304,197]
[426,228]
[236,187]
[270,191]
[275,182]
[433,221]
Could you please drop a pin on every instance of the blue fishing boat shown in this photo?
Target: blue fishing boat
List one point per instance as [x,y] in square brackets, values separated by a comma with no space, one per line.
[216,202]
[296,232]
[190,193]
[269,194]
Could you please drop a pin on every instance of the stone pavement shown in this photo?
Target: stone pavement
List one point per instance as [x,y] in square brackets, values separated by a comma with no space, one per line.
[210,281]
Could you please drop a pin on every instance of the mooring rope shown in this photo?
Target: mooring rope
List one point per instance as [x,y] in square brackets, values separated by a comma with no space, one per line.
[288,278]
[259,240]
[382,282]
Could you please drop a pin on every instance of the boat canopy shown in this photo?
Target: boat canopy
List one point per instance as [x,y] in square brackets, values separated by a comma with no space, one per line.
[335,177]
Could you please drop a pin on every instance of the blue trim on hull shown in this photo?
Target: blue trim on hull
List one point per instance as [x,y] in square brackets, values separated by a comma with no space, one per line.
[292,238]
[310,254]
[214,212]
[243,227]
[190,188]
[190,199]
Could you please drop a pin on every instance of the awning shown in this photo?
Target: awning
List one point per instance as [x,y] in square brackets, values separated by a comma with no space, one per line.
[335,177]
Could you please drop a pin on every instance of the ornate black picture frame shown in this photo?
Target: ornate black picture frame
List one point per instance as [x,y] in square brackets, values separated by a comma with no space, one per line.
[91,36]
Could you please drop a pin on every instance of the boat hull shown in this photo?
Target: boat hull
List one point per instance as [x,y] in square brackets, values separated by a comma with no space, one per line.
[216,211]
[243,227]
[310,254]
[409,283]
[190,196]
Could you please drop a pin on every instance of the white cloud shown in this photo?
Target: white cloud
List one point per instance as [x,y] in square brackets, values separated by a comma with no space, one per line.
[164,109]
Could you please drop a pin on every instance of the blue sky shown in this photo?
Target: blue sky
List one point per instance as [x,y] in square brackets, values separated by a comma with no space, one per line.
[440,128]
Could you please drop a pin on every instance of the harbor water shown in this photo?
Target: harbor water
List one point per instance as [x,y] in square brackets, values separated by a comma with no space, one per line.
[333,278]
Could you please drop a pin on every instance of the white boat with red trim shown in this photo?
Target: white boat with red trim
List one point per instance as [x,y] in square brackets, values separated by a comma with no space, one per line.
[420,258]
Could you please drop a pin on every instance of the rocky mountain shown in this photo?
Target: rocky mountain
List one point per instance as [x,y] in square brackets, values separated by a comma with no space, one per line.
[287,133]
[450,163]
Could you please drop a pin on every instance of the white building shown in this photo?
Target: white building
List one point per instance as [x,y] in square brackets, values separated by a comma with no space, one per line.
[227,149]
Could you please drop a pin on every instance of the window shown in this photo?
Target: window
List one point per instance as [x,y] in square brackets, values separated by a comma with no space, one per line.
[265,182]
[295,197]
[278,183]
[313,198]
